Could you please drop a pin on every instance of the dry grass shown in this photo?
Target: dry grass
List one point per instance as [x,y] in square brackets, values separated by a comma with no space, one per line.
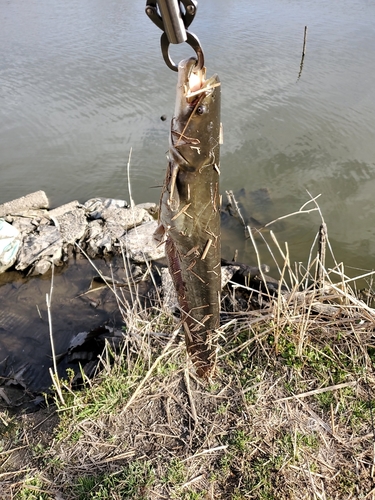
[288,416]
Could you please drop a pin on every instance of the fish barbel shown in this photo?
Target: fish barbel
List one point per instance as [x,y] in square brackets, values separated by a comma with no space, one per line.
[190,210]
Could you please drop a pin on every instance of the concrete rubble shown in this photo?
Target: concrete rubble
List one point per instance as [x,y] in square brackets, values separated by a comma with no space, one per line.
[33,237]
[37,200]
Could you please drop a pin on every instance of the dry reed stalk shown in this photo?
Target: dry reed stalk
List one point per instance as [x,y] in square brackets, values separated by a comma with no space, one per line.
[303,53]
[98,271]
[318,391]
[132,204]
[126,263]
[53,374]
[232,201]
[258,260]
[270,252]
[300,211]
[190,395]
[321,254]
[164,353]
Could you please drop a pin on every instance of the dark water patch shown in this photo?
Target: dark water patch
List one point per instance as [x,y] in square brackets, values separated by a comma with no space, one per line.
[25,347]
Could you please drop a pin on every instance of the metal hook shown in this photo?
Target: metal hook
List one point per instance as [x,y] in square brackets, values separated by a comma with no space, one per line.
[191,40]
[173,22]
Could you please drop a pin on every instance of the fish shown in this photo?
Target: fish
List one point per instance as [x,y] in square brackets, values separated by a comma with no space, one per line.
[189,214]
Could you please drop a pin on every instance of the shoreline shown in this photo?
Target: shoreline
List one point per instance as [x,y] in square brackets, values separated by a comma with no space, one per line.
[34,237]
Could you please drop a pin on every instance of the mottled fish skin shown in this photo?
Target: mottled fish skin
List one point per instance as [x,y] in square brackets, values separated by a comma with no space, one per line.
[190,213]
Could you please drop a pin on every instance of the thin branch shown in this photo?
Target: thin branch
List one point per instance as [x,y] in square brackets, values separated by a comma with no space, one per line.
[132,204]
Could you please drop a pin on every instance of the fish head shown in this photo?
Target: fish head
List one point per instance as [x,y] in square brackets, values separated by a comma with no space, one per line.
[195,129]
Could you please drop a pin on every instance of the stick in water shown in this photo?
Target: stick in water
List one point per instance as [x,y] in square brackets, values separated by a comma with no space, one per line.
[303,53]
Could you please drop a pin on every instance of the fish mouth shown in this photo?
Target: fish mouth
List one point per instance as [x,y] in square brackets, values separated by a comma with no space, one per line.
[207,87]
[195,82]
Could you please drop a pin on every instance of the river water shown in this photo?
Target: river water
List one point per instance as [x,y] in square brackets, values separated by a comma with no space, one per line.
[83,81]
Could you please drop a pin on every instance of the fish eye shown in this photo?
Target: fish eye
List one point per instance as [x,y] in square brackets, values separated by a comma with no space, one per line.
[200,110]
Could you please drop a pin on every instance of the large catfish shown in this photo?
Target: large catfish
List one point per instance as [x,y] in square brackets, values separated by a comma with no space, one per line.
[190,210]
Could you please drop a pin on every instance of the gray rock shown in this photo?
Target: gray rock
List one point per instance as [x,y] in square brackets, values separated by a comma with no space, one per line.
[97,241]
[25,225]
[152,208]
[95,206]
[95,229]
[31,201]
[41,267]
[119,220]
[140,245]
[64,209]
[29,220]
[45,244]
[72,224]
[100,225]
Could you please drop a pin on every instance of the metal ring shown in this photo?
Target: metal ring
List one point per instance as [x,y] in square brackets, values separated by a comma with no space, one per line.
[191,40]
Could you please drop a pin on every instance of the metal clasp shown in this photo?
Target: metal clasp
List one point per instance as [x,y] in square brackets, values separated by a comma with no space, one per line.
[173,21]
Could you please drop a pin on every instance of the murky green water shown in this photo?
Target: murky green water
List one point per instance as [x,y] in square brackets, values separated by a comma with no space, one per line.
[82,82]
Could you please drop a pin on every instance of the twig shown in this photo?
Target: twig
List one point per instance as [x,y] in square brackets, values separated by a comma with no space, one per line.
[348,280]
[205,452]
[356,302]
[258,260]
[318,391]
[310,262]
[128,273]
[370,494]
[300,211]
[14,473]
[150,371]
[321,253]
[191,399]
[132,204]
[54,375]
[8,452]
[39,313]
[48,302]
[192,481]
[303,53]
[232,201]
[304,42]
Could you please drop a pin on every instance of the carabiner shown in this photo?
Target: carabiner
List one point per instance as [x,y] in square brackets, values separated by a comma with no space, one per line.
[191,40]
[173,22]
[171,14]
